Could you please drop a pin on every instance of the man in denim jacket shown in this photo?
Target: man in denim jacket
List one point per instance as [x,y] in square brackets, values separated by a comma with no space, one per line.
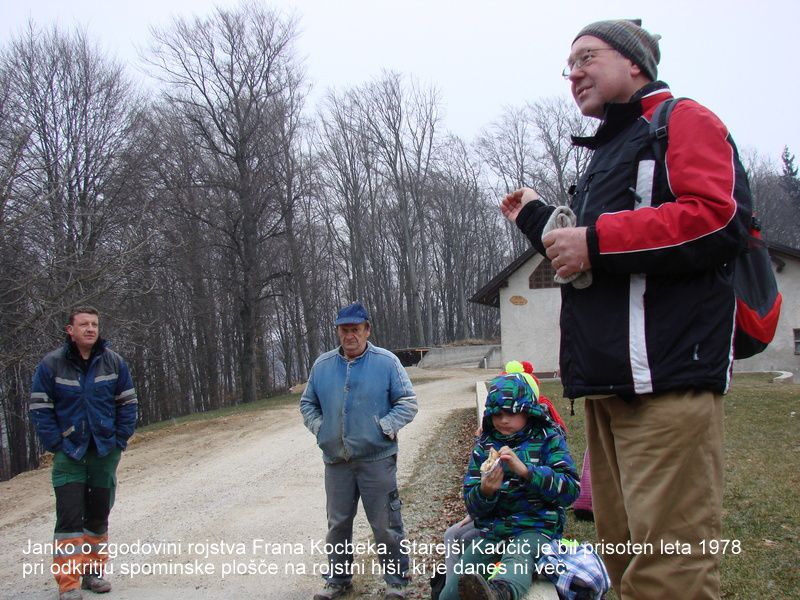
[357,399]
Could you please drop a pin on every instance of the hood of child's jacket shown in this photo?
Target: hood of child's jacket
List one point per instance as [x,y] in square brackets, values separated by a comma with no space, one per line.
[511,392]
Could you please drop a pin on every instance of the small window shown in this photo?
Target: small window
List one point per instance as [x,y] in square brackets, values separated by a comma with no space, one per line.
[797,341]
[542,276]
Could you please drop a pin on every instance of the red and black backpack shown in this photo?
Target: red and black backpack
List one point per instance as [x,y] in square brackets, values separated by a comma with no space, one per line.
[758,301]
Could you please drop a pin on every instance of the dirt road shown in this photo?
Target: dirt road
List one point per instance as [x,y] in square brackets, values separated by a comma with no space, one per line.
[229,508]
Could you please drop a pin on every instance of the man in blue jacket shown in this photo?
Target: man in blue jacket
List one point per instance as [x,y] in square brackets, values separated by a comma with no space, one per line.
[84,408]
[357,399]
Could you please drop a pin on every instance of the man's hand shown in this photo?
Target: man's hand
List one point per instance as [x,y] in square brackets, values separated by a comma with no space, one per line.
[567,250]
[513,202]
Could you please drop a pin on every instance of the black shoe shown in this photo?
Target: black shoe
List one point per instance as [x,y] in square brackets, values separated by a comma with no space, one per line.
[395,592]
[475,587]
[333,590]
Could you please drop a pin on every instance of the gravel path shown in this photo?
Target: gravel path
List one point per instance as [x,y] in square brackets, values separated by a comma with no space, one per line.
[229,508]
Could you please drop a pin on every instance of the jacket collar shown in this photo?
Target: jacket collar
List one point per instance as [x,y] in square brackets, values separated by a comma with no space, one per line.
[359,357]
[72,353]
[619,115]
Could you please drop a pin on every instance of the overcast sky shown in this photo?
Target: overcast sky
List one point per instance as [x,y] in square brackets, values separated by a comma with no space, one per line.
[738,57]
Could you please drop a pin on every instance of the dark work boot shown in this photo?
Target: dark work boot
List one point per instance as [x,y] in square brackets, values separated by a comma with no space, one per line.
[333,590]
[475,587]
[96,584]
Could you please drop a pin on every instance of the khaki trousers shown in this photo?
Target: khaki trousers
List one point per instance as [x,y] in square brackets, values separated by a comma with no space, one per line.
[657,467]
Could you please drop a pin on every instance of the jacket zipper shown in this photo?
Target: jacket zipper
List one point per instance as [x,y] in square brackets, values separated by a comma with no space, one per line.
[584,201]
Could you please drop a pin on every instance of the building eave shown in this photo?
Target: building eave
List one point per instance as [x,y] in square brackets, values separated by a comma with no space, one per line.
[782,249]
[489,294]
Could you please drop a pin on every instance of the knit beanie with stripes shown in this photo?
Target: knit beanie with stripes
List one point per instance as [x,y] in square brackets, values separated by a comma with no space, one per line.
[629,39]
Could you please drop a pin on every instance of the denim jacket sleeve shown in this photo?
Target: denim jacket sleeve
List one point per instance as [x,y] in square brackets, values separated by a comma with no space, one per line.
[404,401]
[310,407]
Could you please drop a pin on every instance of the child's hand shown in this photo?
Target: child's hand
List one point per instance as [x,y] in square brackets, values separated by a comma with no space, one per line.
[491,481]
[508,457]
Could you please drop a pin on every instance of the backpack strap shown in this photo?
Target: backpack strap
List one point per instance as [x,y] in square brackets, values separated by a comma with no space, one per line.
[645,170]
[658,127]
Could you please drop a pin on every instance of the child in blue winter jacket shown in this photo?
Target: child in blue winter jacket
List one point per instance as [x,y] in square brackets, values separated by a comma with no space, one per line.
[519,482]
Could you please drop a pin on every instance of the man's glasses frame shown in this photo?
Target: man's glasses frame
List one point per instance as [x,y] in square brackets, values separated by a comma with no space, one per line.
[586,57]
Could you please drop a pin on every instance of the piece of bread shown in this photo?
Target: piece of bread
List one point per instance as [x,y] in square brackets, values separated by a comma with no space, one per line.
[491,461]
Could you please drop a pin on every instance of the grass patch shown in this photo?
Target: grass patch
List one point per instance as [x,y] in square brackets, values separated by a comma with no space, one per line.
[227,411]
[432,495]
[762,480]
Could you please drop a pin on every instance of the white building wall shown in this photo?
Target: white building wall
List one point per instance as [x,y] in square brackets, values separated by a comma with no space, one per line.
[779,355]
[530,331]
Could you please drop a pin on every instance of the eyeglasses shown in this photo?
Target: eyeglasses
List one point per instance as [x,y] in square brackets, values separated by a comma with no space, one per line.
[585,58]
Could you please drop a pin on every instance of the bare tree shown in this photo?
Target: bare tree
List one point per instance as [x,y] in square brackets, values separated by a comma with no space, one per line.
[531,146]
[356,190]
[293,170]
[401,123]
[506,147]
[349,172]
[558,162]
[230,78]
[773,205]
[71,154]
[455,199]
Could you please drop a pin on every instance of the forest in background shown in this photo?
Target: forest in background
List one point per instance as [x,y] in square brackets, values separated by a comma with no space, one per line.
[219,223]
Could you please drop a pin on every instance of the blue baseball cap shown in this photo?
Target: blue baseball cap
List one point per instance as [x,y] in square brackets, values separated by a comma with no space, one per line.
[352,314]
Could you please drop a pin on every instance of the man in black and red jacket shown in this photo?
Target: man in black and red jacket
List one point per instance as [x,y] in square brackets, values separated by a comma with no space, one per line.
[648,342]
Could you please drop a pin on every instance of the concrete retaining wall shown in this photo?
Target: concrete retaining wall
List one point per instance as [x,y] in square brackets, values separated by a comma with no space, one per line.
[458,356]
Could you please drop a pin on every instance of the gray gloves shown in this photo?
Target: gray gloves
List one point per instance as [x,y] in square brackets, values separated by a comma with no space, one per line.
[564,217]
